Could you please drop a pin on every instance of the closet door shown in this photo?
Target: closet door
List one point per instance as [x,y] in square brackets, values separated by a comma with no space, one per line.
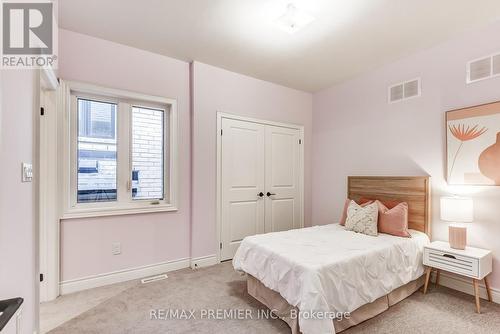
[282,209]
[243,170]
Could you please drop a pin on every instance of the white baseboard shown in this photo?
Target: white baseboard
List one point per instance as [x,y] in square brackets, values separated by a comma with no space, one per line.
[204,261]
[465,285]
[95,281]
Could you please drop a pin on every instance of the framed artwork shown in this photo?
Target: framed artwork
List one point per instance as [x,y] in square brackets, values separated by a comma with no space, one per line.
[473,145]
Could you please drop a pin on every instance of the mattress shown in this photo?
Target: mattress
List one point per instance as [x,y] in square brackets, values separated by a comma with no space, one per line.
[326,269]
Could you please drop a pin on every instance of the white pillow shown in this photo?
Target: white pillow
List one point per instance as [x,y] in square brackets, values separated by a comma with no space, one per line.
[362,219]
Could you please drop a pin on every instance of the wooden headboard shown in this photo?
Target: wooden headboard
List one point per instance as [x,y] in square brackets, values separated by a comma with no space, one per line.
[415,190]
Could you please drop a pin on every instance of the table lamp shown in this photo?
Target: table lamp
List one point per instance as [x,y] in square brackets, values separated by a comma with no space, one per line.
[457,210]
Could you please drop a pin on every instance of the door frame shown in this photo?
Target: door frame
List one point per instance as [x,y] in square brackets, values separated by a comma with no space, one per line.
[48,230]
[222,115]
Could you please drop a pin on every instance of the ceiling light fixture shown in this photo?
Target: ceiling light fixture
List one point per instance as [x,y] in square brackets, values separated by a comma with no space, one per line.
[294,19]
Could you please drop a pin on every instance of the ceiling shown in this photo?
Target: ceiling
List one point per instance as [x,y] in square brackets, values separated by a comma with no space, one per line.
[347,38]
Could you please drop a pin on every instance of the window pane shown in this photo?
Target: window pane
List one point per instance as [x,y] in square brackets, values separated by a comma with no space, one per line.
[96,151]
[147,153]
[96,119]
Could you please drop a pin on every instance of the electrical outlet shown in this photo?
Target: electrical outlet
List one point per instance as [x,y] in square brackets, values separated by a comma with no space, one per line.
[116,248]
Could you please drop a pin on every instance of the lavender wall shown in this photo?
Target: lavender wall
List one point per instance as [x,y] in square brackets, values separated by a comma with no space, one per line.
[145,238]
[216,90]
[356,132]
[18,233]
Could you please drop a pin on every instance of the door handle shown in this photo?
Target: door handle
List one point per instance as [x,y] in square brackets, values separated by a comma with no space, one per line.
[261,194]
[270,194]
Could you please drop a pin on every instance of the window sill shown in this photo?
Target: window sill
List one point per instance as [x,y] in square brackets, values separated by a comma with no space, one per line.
[104,212]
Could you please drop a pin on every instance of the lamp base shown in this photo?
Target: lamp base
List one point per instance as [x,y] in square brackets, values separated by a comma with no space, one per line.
[457,237]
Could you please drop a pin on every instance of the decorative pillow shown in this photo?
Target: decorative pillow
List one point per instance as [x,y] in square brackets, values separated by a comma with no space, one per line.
[393,221]
[362,219]
[346,205]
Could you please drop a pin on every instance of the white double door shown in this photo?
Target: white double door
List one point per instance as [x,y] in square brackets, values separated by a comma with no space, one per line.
[261,181]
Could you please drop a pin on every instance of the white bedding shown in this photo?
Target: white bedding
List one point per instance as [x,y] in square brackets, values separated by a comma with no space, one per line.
[329,269]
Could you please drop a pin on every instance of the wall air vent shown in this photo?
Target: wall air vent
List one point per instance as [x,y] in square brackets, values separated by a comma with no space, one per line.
[483,68]
[496,65]
[404,90]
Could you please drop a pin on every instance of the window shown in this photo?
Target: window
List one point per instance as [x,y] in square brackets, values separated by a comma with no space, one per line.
[147,153]
[121,152]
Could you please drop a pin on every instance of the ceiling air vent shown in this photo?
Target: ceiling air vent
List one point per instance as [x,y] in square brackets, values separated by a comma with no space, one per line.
[404,90]
[483,68]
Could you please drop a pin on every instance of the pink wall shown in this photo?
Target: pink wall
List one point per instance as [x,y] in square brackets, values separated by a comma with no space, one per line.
[18,233]
[216,90]
[145,238]
[152,238]
[356,132]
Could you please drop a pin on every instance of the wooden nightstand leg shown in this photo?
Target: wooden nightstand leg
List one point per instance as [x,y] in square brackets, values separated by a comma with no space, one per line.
[438,274]
[488,291]
[427,277]
[476,293]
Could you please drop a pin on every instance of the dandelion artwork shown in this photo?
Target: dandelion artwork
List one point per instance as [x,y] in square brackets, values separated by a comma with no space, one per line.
[473,145]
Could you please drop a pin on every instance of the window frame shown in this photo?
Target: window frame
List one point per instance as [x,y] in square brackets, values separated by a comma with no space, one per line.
[125,203]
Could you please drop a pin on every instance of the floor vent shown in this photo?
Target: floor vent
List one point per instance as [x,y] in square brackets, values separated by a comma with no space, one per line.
[154,278]
[483,68]
[404,91]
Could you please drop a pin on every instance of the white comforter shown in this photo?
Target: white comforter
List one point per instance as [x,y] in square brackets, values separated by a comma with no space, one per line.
[329,269]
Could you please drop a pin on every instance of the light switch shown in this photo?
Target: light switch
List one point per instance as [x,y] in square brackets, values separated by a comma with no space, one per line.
[27,172]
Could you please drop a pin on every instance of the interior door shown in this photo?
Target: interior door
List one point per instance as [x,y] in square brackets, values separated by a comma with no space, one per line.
[243,197]
[282,208]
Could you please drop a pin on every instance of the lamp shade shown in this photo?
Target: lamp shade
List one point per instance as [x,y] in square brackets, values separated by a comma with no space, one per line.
[457,209]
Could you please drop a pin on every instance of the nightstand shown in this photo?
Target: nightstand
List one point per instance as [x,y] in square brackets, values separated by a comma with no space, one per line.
[471,262]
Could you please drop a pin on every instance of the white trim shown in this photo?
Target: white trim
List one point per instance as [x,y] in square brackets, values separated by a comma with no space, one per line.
[124,204]
[87,88]
[48,204]
[173,143]
[95,281]
[218,195]
[115,211]
[204,261]
[465,285]
[48,79]
[220,116]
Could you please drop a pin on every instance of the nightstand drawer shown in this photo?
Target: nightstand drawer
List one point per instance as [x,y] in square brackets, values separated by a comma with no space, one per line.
[451,262]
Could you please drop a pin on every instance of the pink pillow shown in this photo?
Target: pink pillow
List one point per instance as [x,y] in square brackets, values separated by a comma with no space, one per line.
[393,221]
[343,218]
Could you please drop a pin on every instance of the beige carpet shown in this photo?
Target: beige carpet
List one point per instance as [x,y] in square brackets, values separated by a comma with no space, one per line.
[57,312]
[440,311]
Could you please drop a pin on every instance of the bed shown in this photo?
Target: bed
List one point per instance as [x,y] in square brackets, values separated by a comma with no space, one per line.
[312,277]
